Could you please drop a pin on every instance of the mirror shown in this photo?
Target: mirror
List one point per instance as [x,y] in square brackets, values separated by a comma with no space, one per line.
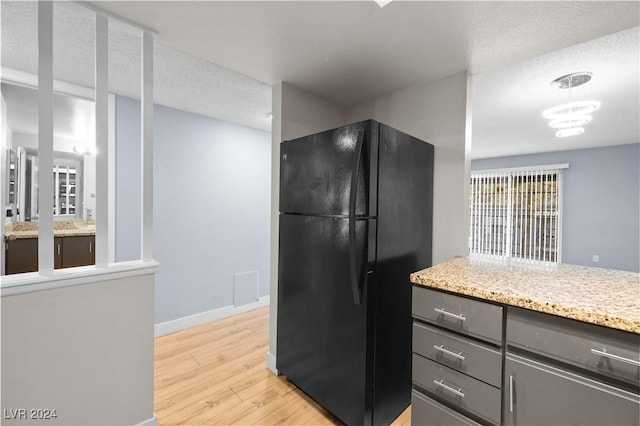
[74,179]
[74,162]
[74,73]
[73,176]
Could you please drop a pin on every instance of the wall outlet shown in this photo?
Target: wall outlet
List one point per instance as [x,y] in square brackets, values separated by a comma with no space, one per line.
[595,258]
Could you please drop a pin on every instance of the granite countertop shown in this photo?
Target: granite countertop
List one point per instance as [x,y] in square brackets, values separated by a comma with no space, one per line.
[600,296]
[66,228]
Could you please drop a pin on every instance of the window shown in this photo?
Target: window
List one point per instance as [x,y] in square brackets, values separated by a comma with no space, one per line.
[516,213]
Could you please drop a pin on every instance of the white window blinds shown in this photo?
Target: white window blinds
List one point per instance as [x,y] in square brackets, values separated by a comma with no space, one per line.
[516,213]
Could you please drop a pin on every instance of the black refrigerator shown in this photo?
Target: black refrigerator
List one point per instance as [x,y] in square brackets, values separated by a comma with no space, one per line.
[355,221]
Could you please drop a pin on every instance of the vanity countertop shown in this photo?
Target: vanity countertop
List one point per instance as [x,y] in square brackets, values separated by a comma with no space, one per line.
[67,228]
[605,297]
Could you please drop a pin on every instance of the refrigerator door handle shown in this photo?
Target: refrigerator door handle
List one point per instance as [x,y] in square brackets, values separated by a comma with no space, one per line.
[353,261]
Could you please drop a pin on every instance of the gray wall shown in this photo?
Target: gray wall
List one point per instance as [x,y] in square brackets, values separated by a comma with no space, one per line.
[601,205]
[211,208]
[85,351]
[436,113]
[295,113]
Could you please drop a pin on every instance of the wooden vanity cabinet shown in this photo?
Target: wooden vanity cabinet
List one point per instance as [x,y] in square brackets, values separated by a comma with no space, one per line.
[21,255]
[78,251]
[57,253]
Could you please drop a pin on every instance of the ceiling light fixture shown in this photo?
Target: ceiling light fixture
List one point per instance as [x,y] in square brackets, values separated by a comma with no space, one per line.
[572,131]
[571,116]
[571,110]
[570,122]
[574,79]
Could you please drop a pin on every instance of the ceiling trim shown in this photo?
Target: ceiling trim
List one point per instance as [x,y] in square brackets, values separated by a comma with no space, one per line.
[23,78]
[112,15]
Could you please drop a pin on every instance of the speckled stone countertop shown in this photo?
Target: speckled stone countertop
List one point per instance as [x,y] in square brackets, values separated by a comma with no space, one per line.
[67,228]
[600,296]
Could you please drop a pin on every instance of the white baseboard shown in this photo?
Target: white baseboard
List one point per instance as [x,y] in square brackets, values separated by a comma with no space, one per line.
[208,316]
[153,421]
[271,363]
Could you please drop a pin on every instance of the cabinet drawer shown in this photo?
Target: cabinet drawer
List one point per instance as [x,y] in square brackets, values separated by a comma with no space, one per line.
[426,411]
[539,394]
[463,391]
[458,353]
[472,317]
[603,350]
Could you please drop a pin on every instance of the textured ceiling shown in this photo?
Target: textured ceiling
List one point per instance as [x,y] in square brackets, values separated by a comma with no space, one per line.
[181,80]
[220,58]
[508,103]
[354,51]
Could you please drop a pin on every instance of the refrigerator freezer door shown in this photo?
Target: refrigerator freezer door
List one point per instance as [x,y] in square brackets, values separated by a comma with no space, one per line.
[323,335]
[316,172]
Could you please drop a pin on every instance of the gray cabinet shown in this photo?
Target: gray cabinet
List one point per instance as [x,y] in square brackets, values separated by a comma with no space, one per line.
[462,391]
[469,357]
[426,411]
[562,371]
[539,394]
[601,350]
[543,370]
[460,314]
[457,359]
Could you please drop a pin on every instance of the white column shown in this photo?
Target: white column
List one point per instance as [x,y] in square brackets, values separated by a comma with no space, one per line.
[45,137]
[111,218]
[102,141]
[147,147]
[276,138]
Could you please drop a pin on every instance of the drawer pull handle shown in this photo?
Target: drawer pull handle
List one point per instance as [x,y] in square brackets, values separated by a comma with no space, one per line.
[440,383]
[449,314]
[511,383]
[442,349]
[606,354]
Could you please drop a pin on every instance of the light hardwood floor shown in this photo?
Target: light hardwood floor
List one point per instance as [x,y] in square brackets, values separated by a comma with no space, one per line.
[215,374]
